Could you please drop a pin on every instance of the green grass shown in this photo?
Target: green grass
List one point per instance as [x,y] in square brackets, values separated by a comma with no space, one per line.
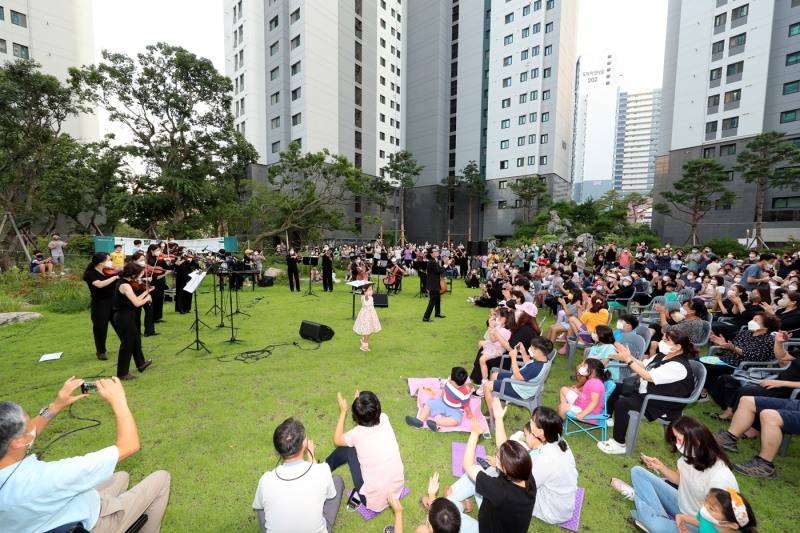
[208,419]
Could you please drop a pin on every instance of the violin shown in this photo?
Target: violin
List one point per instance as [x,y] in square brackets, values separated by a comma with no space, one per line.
[111,271]
[139,287]
[150,270]
[168,257]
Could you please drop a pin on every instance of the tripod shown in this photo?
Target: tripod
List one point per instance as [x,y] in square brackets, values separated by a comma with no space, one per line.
[310,261]
[235,287]
[215,307]
[230,301]
[196,344]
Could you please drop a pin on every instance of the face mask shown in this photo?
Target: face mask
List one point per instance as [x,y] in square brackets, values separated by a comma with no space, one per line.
[583,370]
[792,288]
[108,264]
[594,337]
[690,278]
[730,256]
[707,515]
[621,325]
[33,432]
[141,263]
[768,267]
[625,283]
[737,279]
[664,348]
[752,256]
[783,302]
[753,326]
[680,448]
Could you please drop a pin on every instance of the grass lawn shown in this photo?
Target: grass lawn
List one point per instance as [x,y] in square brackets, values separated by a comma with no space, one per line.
[208,419]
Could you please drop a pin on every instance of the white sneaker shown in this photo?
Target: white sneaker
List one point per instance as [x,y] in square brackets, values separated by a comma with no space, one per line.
[623,488]
[479,392]
[611,446]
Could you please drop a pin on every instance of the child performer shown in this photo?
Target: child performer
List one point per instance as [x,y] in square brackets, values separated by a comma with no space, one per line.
[367,321]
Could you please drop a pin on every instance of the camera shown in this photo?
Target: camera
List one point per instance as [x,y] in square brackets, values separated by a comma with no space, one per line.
[88,386]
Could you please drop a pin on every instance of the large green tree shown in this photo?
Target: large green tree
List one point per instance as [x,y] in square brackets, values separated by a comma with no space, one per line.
[307,194]
[475,185]
[403,171]
[636,203]
[701,188]
[769,161]
[34,151]
[177,109]
[529,189]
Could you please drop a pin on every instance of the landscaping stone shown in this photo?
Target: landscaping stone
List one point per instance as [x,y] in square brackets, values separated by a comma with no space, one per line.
[16,318]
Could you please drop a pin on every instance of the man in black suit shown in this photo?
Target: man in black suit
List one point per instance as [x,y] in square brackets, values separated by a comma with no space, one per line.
[432,284]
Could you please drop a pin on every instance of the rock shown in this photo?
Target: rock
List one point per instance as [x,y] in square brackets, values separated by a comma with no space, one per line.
[587,241]
[16,318]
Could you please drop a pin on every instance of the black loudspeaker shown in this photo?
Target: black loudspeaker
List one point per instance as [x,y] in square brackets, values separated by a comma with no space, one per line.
[471,248]
[315,332]
[381,300]
[483,248]
[266,281]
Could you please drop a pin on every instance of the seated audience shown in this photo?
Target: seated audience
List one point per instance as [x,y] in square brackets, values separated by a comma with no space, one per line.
[532,366]
[722,508]
[453,402]
[443,515]
[586,398]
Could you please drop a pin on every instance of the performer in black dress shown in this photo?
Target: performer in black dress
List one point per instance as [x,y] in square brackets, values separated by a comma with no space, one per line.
[432,283]
[184,266]
[154,259]
[327,269]
[126,301]
[292,259]
[101,288]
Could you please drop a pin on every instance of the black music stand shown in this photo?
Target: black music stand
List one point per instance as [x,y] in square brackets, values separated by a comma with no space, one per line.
[233,338]
[192,286]
[357,289]
[379,271]
[236,282]
[215,271]
[310,261]
[422,271]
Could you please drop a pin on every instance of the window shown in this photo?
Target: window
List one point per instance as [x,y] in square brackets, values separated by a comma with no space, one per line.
[294,43]
[506,103]
[520,161]
[546,72]
[273,74]
[523,98]
[505,124]
[509,18]
[526,32]
[548,28]
[502,204]
[727,149]
[534,95]
[383,80]
[715,74]
[720,20]
[545,116]
[273,49]
[537,5]
[531,160]
[537,27]
[524,54]
[18,19]
[792,58]
[275,98]
[551,4]
[733,96]
[794,29]
[729,175]
[504,164]
[273,23]
[383,43]
[534,73]
[523,76]
[526,10]
[739,12]
[507,61]
[735,68]
[532,117]
[717,47]
[737,40]
[543,160]
[708,153]
[275,147]
[713,101]
[383,23]
[508,39]
[504,144]
[507,82]
[788,116]
[535,50]
[295,16]
[382,117]
[275,123]
[711,127]
[3,16]
[521,119]
[548,50]
[791,87]
[544,138]
[546,95]
[532,138]
[502,184]
[297,119]
[295,68]
[730,123]
[521,141]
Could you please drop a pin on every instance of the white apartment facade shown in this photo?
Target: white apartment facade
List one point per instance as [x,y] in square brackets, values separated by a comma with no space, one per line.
[57,34]
[638,118]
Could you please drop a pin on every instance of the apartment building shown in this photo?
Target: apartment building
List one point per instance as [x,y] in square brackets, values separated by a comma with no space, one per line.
[638,116]
[731,72]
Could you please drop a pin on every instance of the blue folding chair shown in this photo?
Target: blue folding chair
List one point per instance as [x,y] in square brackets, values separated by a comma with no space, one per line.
[586,425]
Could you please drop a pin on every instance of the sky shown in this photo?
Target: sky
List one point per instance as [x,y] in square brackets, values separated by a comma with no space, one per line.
[633,30]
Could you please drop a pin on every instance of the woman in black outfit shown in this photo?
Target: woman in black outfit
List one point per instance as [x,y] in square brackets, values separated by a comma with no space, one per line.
[184,266]
[159,284]
[101,288]
[126,302]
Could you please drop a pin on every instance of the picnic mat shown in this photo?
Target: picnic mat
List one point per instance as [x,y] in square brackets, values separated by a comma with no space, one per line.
[458,449]
[427,388]
[573,524]
[369,514]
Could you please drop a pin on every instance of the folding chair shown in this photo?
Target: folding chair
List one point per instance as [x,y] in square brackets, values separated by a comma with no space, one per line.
[537,384]
[600,421]
[77,527]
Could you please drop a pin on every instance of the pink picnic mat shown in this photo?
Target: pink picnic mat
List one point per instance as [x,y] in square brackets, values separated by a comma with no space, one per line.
[427,388]
[573,524]
[458,449]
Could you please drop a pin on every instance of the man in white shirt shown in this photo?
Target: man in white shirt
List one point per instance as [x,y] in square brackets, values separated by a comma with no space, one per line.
[299,495]
[37,496]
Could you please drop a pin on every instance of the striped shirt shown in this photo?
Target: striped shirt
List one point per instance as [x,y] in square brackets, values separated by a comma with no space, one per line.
[455,397]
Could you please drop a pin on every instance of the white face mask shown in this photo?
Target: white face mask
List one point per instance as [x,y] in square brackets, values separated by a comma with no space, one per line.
[620,325]
[730,256]
[753,326]
[792,287]
[783,302]
[690,278]
[583,370]
[737,279]
[680,447]
[707,515]
[141,263]
[625,283]
[108,264]
[664,348]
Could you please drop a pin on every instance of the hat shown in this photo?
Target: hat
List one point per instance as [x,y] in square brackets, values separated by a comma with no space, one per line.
[248,251]
[528,308]
[777,279]
[627,278]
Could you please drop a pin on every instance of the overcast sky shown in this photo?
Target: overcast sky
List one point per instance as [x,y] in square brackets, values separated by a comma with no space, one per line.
[633,30]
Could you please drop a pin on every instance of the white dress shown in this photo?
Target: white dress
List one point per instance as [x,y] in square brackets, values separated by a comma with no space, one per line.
[367,321]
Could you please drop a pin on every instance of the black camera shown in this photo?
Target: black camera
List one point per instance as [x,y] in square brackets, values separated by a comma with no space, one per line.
[88,386]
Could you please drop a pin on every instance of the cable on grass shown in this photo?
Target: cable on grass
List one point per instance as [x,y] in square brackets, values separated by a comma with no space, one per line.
[253,356]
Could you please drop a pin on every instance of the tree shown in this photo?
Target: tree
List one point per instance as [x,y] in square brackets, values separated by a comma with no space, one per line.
[449,186]
[636,204]
[612,200]
[33,149]
[476,190]
[767,162]
[404,171]
[307,194]
[529,189]
[696,193]
[178,109]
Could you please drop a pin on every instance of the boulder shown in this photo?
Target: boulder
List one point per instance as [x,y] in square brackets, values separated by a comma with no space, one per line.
[587,241]
[16,318]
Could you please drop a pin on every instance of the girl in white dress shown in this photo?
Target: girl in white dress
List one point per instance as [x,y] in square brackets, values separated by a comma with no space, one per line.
[367,321]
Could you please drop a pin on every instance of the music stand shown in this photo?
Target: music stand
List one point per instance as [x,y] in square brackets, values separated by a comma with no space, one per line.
[422,271]
[191,287]
[236,282]
[230,302]
[310,261]
[379,271]
[215,271]
[357,286]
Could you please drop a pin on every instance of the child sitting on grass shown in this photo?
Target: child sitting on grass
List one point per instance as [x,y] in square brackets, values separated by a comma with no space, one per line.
[723,510]
[453,401]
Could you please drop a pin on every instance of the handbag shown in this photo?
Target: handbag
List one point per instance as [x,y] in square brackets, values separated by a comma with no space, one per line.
[629,385]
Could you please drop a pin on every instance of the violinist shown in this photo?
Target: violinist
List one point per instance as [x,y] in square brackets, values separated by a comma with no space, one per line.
[155,258]
[149,322]
[101,289]
[126,302]
[292,260]
[185,264]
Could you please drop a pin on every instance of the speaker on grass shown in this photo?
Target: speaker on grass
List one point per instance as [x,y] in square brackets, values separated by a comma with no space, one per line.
[380,300]
[483,248]
[315,332]
[266,281]
[471,248]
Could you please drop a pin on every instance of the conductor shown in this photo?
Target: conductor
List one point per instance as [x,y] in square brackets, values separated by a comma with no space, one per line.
[432,284]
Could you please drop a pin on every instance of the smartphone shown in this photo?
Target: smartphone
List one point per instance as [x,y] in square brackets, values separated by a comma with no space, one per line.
[483,463]
[88,386]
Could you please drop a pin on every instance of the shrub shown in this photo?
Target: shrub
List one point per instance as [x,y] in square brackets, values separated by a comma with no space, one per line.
[724,246]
